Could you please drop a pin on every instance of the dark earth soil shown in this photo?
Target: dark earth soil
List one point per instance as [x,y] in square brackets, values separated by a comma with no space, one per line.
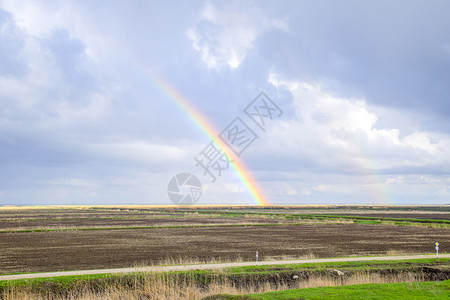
[93,249]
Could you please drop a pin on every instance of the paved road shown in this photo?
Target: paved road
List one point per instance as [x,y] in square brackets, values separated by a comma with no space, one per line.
[209,266]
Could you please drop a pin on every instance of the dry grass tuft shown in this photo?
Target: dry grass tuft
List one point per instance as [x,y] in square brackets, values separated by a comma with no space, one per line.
[394,252]
[166,286]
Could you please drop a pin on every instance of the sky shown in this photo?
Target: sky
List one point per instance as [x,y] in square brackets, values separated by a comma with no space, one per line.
[106,102]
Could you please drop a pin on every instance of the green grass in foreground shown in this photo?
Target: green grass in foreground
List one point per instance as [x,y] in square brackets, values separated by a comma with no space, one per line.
[402,290]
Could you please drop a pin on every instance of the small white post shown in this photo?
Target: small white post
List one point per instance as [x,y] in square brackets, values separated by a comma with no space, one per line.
[437,250]
[256,256]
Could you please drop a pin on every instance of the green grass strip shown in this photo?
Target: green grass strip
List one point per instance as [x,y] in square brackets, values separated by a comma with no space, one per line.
[157,226]
[347,265]
[59,280]
[402,290]
[321,216]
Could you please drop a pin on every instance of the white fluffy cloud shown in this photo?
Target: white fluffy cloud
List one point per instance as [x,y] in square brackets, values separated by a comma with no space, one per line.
[40,19]
[340,132]
[57,86]
[224,35]
[334,150]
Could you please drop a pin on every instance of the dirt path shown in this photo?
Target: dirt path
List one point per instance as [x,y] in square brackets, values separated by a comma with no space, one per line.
[209,266]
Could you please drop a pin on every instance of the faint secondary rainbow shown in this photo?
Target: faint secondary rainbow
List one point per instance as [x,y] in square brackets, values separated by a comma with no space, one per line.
[208,129]
[370,178]
[377,184]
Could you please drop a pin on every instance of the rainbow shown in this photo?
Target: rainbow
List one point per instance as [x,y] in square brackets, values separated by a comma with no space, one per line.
[377,186]
[208,129]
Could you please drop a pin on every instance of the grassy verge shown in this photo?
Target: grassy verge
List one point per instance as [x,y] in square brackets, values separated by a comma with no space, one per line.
[344,265]
[242,280]
[258,270]
[57,282]
[402,290]
[261,268]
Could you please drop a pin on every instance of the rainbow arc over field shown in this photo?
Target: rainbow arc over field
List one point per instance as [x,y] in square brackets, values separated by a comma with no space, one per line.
[208,129]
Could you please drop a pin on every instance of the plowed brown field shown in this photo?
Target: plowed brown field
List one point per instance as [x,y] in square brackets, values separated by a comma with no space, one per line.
[91,249]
